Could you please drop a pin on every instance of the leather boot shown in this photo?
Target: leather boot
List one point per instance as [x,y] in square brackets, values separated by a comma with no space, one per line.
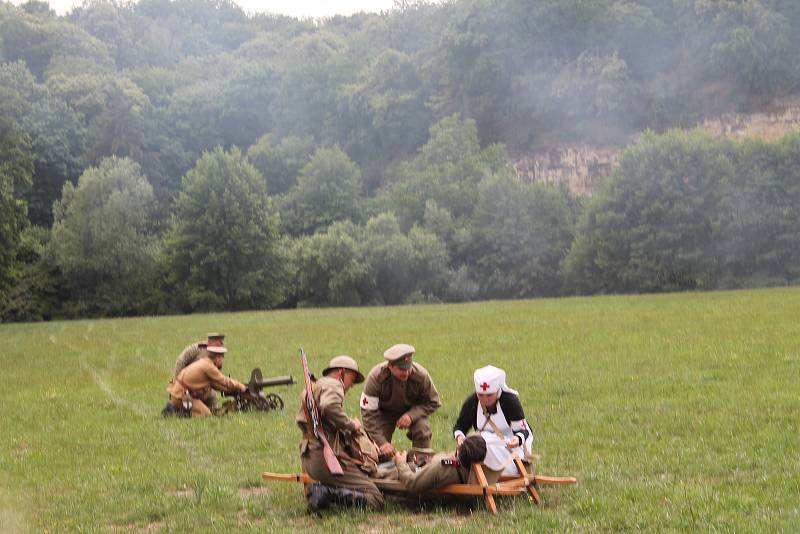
[349,497]
[169,410]
[319,497]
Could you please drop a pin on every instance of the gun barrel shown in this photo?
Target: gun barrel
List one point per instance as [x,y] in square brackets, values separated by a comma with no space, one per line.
[276,381]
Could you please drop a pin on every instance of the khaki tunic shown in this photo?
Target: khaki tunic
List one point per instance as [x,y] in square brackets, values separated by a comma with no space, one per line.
[190,354]
[417,397]
[434,475]
[200,379]
[431,476]
[329,397]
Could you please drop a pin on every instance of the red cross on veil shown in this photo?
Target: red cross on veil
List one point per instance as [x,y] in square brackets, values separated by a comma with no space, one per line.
[484,386]
[365,401]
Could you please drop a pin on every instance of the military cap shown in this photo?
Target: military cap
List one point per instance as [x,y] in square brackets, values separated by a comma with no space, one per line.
[400,355]
[344,362]
[215,339]
[214,350]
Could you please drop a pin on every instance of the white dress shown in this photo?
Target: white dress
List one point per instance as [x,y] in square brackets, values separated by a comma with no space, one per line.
[498,456]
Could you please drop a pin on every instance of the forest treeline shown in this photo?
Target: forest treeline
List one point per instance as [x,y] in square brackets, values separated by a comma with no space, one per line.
[177,156]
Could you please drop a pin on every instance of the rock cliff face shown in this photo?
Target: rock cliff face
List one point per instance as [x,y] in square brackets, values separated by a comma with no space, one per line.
[577,166]
[581,166]
[783,117]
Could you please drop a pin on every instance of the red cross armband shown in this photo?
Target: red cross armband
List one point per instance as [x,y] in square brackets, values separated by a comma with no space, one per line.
[368,402]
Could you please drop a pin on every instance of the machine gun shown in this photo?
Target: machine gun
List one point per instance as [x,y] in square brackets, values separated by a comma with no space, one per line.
[254,398]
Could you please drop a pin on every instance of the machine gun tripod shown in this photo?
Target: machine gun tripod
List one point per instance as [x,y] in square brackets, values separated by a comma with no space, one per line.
[254,398]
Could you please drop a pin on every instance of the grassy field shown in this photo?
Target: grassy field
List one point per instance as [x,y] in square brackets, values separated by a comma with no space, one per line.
[675,412]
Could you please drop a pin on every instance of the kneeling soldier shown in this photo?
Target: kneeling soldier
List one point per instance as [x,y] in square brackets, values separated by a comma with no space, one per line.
[399,394]
[353,487]
[193,387]
[197,351]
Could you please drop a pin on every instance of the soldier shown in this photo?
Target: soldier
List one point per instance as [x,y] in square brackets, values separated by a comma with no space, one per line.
[399,394]
[194,352]
[443,468]
[194,385]
[353,487]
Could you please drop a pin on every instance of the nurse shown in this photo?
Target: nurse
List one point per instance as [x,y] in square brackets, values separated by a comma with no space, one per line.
[494,410]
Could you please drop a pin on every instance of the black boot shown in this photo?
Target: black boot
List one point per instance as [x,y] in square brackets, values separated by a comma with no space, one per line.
[169,410]
[319,497]
[349,497]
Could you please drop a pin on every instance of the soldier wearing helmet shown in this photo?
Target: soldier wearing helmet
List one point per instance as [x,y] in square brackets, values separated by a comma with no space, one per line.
[354,486]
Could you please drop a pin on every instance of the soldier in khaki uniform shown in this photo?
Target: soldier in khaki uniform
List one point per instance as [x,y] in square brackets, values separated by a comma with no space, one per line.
[200,379]
[194,352]
[353,487]
[399,393]
[443,468]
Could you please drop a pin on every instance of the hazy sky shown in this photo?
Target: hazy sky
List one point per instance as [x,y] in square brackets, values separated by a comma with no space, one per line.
[295,8]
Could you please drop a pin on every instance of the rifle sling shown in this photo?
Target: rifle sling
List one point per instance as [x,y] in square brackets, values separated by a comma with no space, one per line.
[310,435]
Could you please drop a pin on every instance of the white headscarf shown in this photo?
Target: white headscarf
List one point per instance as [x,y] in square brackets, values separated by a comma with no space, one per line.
[491,379]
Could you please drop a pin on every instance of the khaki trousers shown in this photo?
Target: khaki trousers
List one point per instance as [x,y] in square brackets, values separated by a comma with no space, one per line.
[199,407]
[313,463]
[419,433]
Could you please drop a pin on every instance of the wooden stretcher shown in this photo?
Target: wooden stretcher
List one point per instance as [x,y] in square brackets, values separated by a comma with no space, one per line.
[523,484]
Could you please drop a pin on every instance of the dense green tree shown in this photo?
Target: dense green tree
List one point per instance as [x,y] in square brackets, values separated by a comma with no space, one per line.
[759,222]
[313,67]
[750,45]
[521,234]
[102,240]
[222,250]
[198,27]
[106,21]
[448,170]
[388,109]
[593,85]
[403,267]
[114,108]
[16,168]
[372,264]
[328,190]
[330,267]
[651,227]
[59,149]
[280,163]
[18,90]
[37,290]
[36,38]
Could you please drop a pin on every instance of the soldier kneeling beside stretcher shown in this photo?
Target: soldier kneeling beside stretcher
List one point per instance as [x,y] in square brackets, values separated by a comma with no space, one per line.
[353,486]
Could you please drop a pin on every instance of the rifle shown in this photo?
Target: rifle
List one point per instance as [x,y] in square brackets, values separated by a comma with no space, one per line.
[313,418]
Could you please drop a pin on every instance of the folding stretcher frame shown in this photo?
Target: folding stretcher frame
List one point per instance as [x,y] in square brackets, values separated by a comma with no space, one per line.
[524,484]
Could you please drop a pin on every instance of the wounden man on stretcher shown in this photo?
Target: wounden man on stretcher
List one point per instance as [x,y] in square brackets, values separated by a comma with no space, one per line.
[442,469]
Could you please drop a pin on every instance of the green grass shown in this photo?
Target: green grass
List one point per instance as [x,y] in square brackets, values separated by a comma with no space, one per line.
[675,412]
